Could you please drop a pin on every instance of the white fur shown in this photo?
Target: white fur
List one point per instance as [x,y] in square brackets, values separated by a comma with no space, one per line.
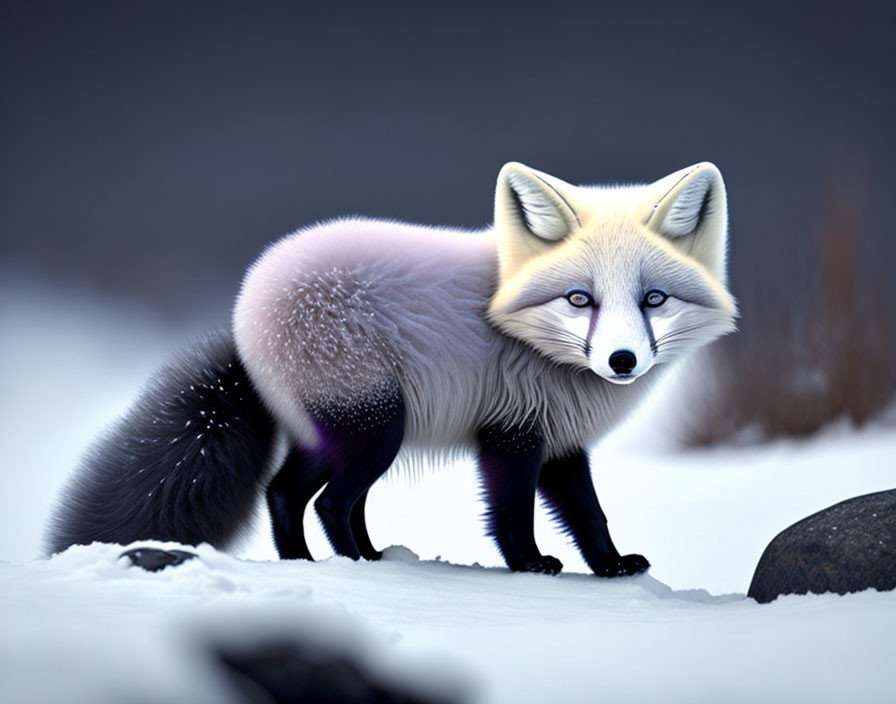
[542,215]
[672,204]
[684,215]
[333,314]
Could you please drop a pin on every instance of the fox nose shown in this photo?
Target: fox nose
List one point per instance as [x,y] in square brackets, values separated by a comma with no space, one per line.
[623,361]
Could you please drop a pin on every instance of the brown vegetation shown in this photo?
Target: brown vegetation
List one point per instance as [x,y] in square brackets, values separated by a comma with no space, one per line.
[814,349]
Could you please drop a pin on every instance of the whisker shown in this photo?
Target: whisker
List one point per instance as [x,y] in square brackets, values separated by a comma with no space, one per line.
[557,335]
[679,331]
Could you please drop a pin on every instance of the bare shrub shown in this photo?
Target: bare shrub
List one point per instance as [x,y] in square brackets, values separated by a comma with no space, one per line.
[813,349]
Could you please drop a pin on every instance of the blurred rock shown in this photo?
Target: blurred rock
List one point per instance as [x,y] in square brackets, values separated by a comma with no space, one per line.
[288,672]
[845,548]
[154,559]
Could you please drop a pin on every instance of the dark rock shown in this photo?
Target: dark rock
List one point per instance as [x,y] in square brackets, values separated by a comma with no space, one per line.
[285,672]
[153,559]
[845,548]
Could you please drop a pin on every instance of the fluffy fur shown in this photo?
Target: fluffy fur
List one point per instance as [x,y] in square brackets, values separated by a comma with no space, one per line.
[330,314]
[184,463]
[363,338]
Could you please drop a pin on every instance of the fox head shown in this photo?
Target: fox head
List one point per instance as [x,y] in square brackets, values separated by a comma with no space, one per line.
[612,279]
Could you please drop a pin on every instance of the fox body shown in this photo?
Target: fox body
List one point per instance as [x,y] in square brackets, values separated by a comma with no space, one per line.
[520,343]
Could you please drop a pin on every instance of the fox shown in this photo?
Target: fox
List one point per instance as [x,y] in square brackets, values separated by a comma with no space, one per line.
[356,339]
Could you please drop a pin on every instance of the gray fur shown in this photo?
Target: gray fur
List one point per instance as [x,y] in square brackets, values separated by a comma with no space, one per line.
[331,313]
[474,329]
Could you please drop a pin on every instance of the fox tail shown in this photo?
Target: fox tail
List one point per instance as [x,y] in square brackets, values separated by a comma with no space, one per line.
[185,463]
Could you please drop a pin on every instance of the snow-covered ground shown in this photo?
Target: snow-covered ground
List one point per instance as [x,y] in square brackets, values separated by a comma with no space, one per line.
[83,627]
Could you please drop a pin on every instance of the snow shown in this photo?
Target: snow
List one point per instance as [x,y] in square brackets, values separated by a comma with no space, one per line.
[85,627]
[101,628]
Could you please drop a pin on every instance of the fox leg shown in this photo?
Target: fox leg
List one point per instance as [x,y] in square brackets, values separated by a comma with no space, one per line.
[509,463]
[359,530]
[566,486]
[359,443]
[300,478]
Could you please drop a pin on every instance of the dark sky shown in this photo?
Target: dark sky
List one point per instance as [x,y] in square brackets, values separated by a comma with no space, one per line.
[150,149]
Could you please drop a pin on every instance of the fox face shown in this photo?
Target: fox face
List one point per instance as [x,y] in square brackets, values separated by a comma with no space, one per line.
[613,280]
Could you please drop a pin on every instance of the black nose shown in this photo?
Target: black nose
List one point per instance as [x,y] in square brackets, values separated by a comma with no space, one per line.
[623,361]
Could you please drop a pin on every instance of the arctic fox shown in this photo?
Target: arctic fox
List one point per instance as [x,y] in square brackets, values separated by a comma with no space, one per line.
[356,338]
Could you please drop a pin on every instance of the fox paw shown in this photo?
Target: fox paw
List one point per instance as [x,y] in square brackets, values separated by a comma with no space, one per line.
[623,566]
[545,564]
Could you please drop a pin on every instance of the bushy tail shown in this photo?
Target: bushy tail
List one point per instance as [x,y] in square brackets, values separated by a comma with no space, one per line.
[183,464]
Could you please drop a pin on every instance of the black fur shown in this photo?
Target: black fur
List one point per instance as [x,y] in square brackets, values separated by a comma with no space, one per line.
[359,530]
[299,479]
[183,464]
[360,447]
[510,460]
[566,486]
[358,444]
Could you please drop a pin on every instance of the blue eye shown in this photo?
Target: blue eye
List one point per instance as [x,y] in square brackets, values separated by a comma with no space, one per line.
[579,298]
[654,298]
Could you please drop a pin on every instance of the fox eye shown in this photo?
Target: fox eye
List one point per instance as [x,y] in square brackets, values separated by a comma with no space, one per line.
[654,298]
[579,298]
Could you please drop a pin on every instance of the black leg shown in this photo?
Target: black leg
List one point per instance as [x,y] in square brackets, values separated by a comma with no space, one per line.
[359,530]
[300,478]
[509,463]
[565,484]
[359,443]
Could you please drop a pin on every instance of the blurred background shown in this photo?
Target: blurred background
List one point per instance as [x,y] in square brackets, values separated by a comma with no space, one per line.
[150,150]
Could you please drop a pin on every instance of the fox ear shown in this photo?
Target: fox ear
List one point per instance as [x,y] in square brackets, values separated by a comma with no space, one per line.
[690,208]
[531,200]
[532,214]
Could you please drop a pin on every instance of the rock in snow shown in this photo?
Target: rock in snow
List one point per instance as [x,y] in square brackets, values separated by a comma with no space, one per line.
[153,559]
[845,548]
